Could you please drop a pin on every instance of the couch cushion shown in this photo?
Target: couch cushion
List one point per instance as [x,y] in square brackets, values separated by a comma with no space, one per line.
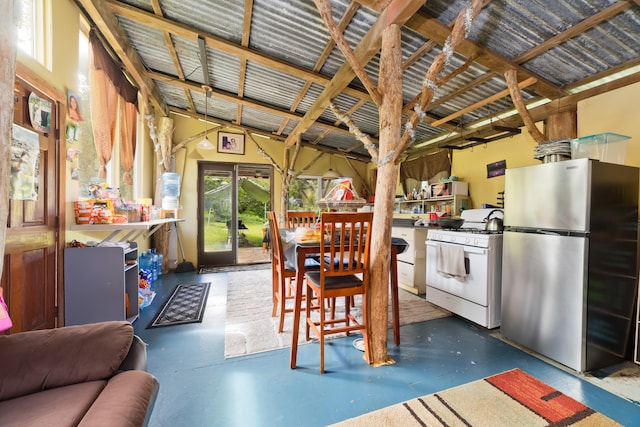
[126,401]
[58,407]
[40,360]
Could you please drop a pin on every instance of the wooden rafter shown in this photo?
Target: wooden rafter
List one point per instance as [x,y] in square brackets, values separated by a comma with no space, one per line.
[162,23]
[246,33]
[460,26]
[326,51]
[526,83]
[117,39]
[168,41]
[233,98]
[398,12]
[573,31]
[324,7]
[435,30]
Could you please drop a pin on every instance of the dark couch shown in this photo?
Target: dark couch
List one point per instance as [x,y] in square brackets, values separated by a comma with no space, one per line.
[86,375]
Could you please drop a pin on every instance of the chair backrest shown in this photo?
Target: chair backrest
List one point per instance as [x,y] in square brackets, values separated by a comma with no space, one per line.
[277,256]
[300,219]
[349,253]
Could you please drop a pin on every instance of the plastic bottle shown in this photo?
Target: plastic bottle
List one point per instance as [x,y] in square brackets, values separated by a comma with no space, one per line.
[160,264]
[144,262]
[154,263]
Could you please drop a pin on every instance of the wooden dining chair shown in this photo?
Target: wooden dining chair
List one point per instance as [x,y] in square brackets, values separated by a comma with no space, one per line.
[344,273]
[282,277]
[295,219]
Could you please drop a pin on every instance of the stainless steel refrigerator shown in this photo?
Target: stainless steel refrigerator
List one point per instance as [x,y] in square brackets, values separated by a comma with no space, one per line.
[569,275]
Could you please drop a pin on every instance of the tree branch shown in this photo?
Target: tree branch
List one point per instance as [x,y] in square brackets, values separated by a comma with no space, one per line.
[516,96]
[461,27]
[324,7]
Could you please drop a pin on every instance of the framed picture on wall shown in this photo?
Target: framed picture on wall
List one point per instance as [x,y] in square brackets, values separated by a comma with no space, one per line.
[231,143]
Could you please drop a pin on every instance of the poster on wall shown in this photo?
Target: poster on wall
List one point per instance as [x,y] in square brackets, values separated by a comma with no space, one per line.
[39,113]
[25,164]
[496,168]
[74,117]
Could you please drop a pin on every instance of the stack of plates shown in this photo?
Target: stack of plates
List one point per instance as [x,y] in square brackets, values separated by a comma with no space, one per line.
[553,151]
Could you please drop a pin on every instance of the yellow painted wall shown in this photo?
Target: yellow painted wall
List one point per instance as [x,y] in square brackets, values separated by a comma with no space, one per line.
[616,111]
[470,165]
[186,127]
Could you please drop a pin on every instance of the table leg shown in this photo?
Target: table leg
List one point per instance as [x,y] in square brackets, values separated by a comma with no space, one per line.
[296,311]
[394,296]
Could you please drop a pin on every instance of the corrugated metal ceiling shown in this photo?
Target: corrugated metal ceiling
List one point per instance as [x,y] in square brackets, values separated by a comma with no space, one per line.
[282,73]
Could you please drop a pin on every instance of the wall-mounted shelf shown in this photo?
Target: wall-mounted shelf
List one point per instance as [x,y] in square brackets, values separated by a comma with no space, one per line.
[128,232]
[454,204]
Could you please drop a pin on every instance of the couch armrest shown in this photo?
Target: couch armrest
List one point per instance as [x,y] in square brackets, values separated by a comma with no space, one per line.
[136,357]
[40,360]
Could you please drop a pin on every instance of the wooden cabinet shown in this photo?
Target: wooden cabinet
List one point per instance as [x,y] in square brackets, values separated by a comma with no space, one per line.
[412,262]
[100,284]
[451,204]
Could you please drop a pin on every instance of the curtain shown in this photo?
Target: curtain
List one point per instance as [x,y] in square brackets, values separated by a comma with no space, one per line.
[428,168]
[128,119]
[108,86]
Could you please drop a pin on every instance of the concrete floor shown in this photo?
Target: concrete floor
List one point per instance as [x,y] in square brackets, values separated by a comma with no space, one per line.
[198,387]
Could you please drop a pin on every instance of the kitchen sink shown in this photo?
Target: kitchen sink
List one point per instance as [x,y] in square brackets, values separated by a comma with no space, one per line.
[403,222]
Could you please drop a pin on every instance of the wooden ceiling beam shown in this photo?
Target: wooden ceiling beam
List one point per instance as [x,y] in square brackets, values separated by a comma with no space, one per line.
[245,102]
[435,30]
[164,24]
[397,12]
[575,30]
[98,12]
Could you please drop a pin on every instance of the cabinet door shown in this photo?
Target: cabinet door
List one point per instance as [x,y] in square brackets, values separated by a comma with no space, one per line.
[94,285]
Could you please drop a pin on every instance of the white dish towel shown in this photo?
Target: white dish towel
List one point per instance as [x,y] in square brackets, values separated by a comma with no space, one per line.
[450,261]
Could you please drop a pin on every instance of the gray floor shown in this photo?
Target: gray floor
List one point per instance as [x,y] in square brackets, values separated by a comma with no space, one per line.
[198,387]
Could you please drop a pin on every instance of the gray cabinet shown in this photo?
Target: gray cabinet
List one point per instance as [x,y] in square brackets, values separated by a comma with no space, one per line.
[412,262]
[100,284]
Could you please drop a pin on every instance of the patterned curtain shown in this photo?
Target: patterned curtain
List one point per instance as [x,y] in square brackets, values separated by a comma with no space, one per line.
[110,87]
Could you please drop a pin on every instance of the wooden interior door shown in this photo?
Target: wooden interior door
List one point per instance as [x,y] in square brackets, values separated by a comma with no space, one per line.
[29,277]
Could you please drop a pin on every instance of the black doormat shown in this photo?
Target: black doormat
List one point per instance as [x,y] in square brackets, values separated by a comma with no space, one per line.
[241,267]
[185,305]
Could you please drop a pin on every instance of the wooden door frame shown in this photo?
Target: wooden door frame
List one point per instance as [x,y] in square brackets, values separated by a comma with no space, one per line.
[36,81]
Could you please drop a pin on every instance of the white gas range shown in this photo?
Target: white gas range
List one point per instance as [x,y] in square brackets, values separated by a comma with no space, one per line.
[464,269]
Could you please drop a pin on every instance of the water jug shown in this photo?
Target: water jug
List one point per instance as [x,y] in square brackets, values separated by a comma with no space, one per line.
[170,184]
[160,264]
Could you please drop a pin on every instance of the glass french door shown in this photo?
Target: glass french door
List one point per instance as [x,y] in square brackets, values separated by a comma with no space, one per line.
[233,201]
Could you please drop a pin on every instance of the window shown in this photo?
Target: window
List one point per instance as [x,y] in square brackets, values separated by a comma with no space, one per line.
[34,29]
[304,192]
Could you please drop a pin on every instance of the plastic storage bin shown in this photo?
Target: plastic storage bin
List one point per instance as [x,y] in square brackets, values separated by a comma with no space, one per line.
[607,147]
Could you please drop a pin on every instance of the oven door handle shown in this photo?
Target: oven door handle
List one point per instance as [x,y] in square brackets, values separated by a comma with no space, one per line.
[467,249]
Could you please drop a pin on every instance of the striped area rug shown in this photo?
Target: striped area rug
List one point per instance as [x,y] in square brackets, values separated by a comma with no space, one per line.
[512,398]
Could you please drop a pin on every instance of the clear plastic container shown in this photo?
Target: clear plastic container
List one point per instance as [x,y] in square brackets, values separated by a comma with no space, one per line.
[607,147]
[170,184]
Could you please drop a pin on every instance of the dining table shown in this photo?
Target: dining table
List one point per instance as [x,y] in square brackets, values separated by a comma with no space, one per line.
[304,256]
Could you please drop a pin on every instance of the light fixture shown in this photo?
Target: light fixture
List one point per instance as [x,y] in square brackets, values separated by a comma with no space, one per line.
[205,144]
[330,174]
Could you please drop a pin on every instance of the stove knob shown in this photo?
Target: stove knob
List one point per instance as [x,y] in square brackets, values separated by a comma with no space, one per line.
[475,241]
[467,240]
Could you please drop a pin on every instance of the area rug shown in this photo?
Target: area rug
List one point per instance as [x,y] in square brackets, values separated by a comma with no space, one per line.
[185,305]
[512,398]
[250,328]
[229,268]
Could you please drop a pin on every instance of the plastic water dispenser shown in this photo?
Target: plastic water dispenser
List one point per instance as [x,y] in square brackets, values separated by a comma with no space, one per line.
[170,190]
